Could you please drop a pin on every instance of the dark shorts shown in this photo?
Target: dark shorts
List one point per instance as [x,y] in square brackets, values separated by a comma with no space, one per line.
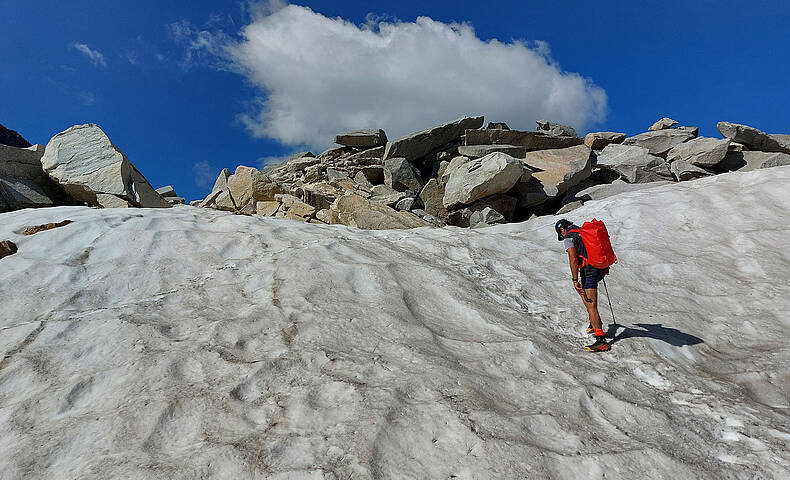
[590,276]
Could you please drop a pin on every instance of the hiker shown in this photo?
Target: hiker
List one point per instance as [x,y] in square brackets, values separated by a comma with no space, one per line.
[585,277]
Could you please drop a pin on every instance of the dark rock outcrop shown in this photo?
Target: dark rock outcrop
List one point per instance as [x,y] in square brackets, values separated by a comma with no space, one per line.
[12,138]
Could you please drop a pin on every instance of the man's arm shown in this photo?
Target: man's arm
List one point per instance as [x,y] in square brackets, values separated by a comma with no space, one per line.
[573,259]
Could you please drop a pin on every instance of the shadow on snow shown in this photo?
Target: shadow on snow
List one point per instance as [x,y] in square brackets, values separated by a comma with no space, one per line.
[671,336]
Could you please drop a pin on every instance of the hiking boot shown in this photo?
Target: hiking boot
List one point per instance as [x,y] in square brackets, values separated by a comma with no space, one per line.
[590,329]
[600,345]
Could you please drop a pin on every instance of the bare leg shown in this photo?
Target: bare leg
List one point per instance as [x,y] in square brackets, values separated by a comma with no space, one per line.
[591,303]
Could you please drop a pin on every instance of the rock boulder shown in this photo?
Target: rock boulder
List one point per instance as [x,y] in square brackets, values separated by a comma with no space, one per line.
[599,140]
[599,192]
[753,138]
[477,151]
[7,247]
[220,186]
[702,151]
[85,163]
[362,138]
[166,191]
[12,138]
[663,124]
[748,160]
[552,128]
[249,185]
[23,183]
[419,144]
[356,211]
[634,164]
[431,198]
[503,204]
[528,140]
[660,142]
[485,217]
[480,178]
[683,171]
[401,176]
[553,173]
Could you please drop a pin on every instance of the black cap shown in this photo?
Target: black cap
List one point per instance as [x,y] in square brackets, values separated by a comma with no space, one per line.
[561,224]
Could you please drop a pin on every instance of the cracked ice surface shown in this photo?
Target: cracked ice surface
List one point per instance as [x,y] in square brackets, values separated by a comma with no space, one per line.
[189,343]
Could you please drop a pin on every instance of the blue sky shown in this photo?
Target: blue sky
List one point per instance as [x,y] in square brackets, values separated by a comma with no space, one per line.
[182,92]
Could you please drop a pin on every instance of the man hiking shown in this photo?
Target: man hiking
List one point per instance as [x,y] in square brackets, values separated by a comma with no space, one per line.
[585,277]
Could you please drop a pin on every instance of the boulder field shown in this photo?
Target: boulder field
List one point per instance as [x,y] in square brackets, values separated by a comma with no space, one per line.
[445,174]
[438,176]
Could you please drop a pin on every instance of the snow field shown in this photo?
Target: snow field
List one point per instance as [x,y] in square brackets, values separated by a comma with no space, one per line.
[188,343]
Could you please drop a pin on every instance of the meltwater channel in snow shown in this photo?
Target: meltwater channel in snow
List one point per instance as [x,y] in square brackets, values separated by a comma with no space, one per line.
[190,343]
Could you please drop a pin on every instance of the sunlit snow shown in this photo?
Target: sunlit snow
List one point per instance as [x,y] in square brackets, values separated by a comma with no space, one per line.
[190,343]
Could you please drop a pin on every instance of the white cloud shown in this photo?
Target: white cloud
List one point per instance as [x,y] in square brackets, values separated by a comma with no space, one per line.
[200,43]
[95,56]
[205,174]
[322,76]
[87,98]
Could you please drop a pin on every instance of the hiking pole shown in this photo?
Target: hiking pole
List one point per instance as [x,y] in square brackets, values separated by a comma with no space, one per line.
[609,299]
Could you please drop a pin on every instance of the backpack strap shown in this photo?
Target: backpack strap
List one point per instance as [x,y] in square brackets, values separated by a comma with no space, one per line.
[582,259]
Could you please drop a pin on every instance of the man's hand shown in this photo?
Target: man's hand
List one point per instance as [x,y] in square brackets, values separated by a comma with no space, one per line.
[578,286]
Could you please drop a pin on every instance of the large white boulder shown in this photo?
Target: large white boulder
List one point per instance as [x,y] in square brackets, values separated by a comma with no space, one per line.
[635,164]
[702,151]
[480,178]
[84,162]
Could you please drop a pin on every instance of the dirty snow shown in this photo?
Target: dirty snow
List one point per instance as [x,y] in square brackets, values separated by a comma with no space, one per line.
[189,343]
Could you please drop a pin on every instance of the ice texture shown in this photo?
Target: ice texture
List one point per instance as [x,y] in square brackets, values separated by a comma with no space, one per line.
[190,343]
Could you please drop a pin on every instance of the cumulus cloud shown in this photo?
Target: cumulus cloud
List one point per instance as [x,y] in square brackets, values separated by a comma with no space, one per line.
[324,75]
[95,56]
[320,76]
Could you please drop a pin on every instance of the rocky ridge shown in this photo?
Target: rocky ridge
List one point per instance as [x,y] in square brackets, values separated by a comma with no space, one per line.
[465,174]
[462,173]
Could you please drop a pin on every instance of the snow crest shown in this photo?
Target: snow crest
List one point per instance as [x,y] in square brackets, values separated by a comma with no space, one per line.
[188,343]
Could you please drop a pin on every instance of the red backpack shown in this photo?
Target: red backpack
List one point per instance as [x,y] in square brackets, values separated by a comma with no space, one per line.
[596,242]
